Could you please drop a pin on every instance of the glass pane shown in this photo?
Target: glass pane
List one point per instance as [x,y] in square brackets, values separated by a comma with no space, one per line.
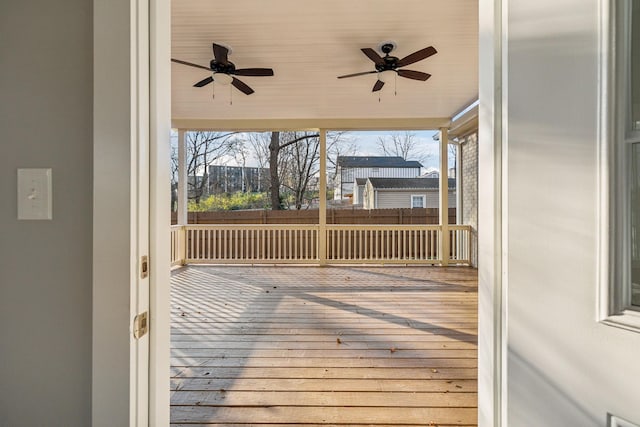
[635,66]
[635,223]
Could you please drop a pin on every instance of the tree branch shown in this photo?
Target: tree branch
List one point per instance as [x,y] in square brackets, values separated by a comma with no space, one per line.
[288,143]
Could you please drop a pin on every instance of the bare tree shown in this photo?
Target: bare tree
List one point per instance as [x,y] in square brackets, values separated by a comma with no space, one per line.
[259,144]
[296,163]
[293,159]
[453,150]
[202,149]
[402,144]
[302,164]
[339,143]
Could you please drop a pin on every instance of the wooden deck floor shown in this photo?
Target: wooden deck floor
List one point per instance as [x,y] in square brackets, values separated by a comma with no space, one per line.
[308,346]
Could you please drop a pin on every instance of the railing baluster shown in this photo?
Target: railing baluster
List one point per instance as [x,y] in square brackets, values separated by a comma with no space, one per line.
[299,243]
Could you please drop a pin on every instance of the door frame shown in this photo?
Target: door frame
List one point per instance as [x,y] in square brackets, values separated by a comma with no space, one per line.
[492,213]
[159,219]
[491,210]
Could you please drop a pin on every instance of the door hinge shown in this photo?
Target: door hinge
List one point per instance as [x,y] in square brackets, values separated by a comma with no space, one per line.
[144,267]
[140,325]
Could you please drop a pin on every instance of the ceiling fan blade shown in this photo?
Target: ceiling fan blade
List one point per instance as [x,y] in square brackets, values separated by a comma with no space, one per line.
[417,56]
[242,87]
[177,61]
[254,72]
[415,75]
[357,74]
[204,82]
[221,54]
[377,86]
[373,55]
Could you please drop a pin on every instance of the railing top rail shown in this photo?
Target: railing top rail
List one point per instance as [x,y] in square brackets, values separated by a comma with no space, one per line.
[252,226]
[316,226]
[459,227]
[383,227]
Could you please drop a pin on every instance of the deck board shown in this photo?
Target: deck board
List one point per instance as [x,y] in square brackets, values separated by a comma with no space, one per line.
[351,346]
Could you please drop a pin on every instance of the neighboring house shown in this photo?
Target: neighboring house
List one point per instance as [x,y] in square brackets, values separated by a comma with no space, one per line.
[386,193]
[349,168]
[231,179]
[431,174]
[436,173]
[358,194]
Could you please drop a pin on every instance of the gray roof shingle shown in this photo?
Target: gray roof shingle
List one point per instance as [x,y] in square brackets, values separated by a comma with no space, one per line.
[409,183]
[376,162]
[361,181]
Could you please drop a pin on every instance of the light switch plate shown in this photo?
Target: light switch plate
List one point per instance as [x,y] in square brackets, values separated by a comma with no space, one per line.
[34,194]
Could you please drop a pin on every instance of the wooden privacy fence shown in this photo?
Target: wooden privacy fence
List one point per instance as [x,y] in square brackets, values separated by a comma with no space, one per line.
[300,244]
[415,216]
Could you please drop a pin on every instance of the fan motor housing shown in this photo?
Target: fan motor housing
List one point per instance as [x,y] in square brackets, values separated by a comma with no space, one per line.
[217,67]
[390,63]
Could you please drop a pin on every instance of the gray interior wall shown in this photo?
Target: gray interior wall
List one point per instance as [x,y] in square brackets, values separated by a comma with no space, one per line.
[45,266]
[563,367]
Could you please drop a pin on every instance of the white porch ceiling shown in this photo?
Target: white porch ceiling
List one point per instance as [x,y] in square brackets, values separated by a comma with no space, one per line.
[309,43]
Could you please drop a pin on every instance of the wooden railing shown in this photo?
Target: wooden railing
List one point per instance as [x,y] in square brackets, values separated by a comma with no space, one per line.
[178,255]
[383,243]
[252,243]
[300,244]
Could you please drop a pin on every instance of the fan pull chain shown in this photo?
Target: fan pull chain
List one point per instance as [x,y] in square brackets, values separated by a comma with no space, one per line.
[230,95]
[213,91]
[395,84]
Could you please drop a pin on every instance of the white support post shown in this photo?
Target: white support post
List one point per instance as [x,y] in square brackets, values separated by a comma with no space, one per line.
[444,196]
[182,177]
[183,194]
[322,238]
[459,182]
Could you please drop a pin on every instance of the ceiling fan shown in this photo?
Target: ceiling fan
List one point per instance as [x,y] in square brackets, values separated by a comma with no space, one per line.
[391,63]
[224,70]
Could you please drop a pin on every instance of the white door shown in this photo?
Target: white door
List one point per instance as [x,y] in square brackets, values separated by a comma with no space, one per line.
[564,363]
[140,222]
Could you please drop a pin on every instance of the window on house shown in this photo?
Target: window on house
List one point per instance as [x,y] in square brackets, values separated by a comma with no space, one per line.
[418,201]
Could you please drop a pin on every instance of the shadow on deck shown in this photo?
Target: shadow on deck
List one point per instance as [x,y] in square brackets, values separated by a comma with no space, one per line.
[393,346]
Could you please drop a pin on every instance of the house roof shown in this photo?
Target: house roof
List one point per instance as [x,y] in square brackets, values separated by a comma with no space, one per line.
[361,181]
[409,183]
[376,162]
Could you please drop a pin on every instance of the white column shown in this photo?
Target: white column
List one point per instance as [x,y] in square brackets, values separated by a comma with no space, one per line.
[182,177]
[459,181]
[444,195]
[322,217]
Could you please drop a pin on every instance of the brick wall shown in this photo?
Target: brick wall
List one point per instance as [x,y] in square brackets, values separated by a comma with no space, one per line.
[470,191]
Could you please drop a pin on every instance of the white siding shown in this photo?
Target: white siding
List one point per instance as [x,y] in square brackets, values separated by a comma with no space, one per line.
[388,199]
[358,195]
[354,173]
[347,176]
